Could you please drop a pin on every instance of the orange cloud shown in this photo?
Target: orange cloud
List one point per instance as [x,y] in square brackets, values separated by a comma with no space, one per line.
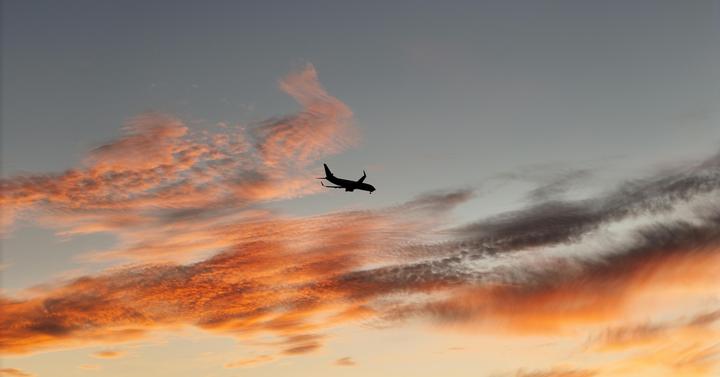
[302,348]
[681,347]
[345,362]
[162,175]
[253,361]
[672,357]
[13,372]
[323,127]
[108,354]
[90,367]
[597,294]
[152,141]
[248,288]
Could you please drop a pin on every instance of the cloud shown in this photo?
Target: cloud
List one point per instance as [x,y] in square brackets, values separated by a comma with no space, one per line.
[151,141]
[552,293]
[479,278]
[565,263]
[89,367]
[206,252]
[684,346]
[163,176]
[672,358]
[706,318]
[557,373]
[556,221]
[249,362]
[345,362]
[108,354]
[323,127]
[555,186]
[246,289]
[302,348]
[300,344]
[13,372]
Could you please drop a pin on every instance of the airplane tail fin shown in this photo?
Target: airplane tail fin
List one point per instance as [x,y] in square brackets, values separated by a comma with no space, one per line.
[328,173]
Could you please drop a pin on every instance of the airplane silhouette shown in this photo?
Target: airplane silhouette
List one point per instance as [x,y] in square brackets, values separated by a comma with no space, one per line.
[346,184]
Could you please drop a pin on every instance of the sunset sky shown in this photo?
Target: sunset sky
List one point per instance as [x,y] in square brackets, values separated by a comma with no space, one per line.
[547,178]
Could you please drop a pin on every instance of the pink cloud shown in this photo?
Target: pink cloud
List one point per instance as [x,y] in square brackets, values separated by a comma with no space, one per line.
[161,171]
[323,127]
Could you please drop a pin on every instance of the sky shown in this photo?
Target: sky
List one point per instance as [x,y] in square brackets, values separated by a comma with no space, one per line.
[547,178]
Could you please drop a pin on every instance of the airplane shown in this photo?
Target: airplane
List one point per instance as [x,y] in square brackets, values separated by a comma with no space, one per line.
[346,184]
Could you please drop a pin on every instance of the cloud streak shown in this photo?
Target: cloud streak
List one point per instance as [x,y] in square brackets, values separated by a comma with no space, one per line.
[14,372]
[345,362]
[558,373]
[108,354]
[249,362]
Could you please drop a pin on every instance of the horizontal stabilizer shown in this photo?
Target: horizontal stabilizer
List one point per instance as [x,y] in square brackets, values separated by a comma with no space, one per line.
[324,185]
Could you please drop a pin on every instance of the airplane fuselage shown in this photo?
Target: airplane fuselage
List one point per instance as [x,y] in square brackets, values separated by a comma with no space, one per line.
[349,185]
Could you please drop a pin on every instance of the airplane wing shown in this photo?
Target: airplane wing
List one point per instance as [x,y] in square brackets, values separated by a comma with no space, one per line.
[324,185]
[362,178]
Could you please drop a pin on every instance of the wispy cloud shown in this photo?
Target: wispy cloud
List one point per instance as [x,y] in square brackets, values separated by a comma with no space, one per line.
[89,367]
[345,362]
[249,362]
[14,372]
[108,354]
[685,346]
[323,127]
[559,372]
